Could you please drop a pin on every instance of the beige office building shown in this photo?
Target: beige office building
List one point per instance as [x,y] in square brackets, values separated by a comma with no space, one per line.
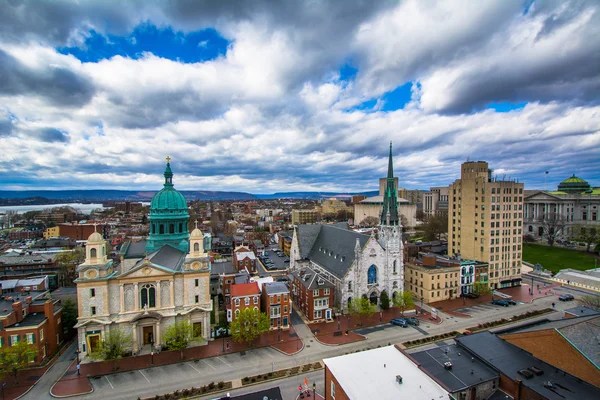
[300,217]
[485,222]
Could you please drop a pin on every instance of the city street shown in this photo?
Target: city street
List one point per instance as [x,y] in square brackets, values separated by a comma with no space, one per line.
[151,381]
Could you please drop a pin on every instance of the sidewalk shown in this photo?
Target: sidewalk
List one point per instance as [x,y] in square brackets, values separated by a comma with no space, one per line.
[71,384]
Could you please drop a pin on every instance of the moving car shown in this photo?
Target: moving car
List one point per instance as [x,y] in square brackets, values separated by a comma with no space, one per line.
[511,302]
[566,297]
[399,322]
[412,321]
[503,303]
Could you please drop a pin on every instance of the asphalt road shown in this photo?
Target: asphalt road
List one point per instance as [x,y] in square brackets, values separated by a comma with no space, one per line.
[151,381]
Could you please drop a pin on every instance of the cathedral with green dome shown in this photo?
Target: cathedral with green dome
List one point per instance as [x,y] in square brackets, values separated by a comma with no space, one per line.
[156,282]
[168,217]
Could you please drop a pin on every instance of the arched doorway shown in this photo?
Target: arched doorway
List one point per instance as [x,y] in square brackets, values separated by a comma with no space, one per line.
[373,298]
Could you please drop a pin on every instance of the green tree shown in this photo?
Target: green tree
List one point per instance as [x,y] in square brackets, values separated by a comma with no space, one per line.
[384,300]
[16,357]
[403,301]
[144,219]
[69,316]
[586,234]
[434,227]
[248,325]
[116,344]
[362,306]
[67,262]
[178,336]
[481,288]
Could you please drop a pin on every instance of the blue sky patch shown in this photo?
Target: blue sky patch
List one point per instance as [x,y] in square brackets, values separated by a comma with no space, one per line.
[191,47]
[397,98]
[506,106]
[348,72]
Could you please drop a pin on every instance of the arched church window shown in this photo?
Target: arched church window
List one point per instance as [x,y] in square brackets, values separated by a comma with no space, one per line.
[161,229]
[196,247]
[172,228]
[395,284]
[372,275]
[349,300]
[180,227]
[93,253]
[349,285]
[153,228]
[395,266]
[148,296]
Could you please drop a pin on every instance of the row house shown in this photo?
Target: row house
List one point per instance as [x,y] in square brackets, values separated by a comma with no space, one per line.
[244,259]
[312,295]
[36,321]
[277,303]
[229,280]
[243,295]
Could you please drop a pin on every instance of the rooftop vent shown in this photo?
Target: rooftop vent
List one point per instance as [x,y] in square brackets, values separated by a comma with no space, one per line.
[321,282]
[526,373]
[536,370]
[399,379]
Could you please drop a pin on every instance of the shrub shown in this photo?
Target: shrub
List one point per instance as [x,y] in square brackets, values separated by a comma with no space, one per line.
[246,379]
[221,384]
[253,379]
[270,374]
[211,385]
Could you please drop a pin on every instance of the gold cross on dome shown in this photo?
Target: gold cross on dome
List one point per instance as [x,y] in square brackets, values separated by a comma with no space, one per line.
[168,159]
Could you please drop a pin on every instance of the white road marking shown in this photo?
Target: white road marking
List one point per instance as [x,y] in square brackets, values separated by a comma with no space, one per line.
[194,368]
[144,375]
[224,362]
[268,353]
[209,365]
[109,382]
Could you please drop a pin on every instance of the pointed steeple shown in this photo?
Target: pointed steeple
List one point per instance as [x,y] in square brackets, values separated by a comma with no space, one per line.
[389,211]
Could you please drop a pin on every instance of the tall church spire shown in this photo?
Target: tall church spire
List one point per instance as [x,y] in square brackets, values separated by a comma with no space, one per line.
[389,211]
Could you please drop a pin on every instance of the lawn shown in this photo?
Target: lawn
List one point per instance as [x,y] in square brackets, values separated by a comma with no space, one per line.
[557,258]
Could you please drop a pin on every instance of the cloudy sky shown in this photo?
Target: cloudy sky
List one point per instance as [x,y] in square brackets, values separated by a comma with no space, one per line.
[265,96]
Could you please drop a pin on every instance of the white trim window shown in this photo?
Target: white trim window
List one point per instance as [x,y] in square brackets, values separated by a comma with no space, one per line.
[317,314]
[237,302]
[315,292]
[255,299]
[326,292]
[247,301]
[332,390]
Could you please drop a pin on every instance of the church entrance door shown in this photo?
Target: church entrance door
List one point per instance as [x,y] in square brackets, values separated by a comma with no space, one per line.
[94,343]
[148,334]
[373,298]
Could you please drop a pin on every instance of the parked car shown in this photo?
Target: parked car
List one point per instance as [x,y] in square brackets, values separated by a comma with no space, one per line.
[503,303]
[287,260]
[566,297]
[399,322]
[471,295]
[511,302]
[412,321]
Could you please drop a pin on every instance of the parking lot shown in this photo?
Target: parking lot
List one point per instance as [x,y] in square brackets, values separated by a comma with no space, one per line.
[279,263]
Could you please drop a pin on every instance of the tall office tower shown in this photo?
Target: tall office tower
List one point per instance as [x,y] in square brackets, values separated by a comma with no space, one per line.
[485,222]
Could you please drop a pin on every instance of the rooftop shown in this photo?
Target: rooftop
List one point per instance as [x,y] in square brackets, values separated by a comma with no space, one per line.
[466,371]
[373,374]
[509,360]
[276,288]
[33,319]
[244,289]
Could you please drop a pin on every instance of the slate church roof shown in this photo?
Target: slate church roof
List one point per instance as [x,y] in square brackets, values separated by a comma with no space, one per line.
[330,246]
[167,257]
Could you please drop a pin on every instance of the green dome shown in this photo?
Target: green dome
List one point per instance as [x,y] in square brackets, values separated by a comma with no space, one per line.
[573,184]
[168,217]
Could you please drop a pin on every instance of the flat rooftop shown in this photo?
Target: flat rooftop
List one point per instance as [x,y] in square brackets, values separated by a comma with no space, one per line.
[466,370]
[372,375]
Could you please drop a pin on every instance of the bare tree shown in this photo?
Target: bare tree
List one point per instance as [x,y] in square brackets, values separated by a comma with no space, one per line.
[587,234]
[369,222]
[553,226]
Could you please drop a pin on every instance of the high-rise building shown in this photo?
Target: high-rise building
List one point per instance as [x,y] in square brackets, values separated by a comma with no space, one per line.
[485,218]
[435,202]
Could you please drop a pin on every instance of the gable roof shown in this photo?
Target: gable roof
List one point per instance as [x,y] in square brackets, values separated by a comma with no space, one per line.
[311,280]
[333,249]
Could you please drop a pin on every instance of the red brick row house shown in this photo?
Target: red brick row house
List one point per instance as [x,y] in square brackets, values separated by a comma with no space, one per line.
[244,259]
[277,303]
[38,322]
[243,295]
[313,295]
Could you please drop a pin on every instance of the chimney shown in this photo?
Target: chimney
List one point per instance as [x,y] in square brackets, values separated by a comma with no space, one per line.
[517,394]
[17,307]
[48,308]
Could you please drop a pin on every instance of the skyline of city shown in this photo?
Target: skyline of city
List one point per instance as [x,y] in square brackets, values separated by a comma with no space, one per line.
[290,96]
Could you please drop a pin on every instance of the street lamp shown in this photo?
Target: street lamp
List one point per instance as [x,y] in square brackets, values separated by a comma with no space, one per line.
[421,304]
[279,333]
[152,355]
[223,344]
[314,389]
[77,352]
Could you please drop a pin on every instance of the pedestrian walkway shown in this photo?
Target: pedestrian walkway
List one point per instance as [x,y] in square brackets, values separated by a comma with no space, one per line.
[72,383]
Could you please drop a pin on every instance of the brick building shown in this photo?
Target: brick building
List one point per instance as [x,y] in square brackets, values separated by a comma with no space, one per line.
[244,258]
[313,295]
[35,320]
[277,303]
[243,295]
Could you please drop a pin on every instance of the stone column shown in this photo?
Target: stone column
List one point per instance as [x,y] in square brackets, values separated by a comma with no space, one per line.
[157,341]
[122,298]
[134,327]
[136,297]
[172,289]
[157,294]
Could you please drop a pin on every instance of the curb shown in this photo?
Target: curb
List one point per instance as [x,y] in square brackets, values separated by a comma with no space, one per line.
[69,395]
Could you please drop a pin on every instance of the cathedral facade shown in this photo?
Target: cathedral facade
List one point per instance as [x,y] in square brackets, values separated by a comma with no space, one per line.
[356,264]
[160,280]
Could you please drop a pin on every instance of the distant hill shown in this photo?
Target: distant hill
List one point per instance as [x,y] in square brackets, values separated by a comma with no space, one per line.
[17,197]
